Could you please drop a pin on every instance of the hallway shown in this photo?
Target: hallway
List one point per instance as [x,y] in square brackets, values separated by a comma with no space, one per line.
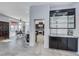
[38,50]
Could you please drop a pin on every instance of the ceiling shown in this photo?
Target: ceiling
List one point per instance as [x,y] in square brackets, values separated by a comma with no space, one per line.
[21,9]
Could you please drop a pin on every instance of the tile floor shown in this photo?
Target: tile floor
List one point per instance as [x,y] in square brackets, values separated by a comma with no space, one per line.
[38,50]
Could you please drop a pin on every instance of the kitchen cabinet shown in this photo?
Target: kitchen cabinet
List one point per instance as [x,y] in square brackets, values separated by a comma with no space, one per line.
[72,44]
[65,43]
[53,42]
[62,43]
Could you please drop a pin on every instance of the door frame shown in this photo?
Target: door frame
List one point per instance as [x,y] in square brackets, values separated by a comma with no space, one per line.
[34,26]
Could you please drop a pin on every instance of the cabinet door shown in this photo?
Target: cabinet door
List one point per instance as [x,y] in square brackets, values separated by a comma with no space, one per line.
[1,29]
[62,43]
[72,44]
[7,30]
[59,43]
[53,42]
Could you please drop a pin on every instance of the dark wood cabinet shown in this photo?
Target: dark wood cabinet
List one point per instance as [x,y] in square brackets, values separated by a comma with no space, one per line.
[53,43]
[72,44]
[63,43]
[4,30]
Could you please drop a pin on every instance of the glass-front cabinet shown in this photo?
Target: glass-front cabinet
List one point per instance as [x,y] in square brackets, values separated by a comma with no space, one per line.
[62,21]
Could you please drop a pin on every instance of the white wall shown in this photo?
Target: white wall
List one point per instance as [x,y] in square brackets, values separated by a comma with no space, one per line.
[27,28]
[39,12]
[3,18]
[76,32]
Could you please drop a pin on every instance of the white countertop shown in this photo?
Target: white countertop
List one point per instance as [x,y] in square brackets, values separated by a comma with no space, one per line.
[64,36]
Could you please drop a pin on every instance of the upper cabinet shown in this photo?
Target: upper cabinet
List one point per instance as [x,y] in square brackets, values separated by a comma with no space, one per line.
[62,19]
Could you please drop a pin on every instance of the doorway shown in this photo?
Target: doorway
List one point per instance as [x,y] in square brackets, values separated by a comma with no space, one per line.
[39,31]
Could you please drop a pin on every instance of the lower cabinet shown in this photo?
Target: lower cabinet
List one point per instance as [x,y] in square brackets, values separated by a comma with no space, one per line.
[53,43]
[63,43]
[73,44]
